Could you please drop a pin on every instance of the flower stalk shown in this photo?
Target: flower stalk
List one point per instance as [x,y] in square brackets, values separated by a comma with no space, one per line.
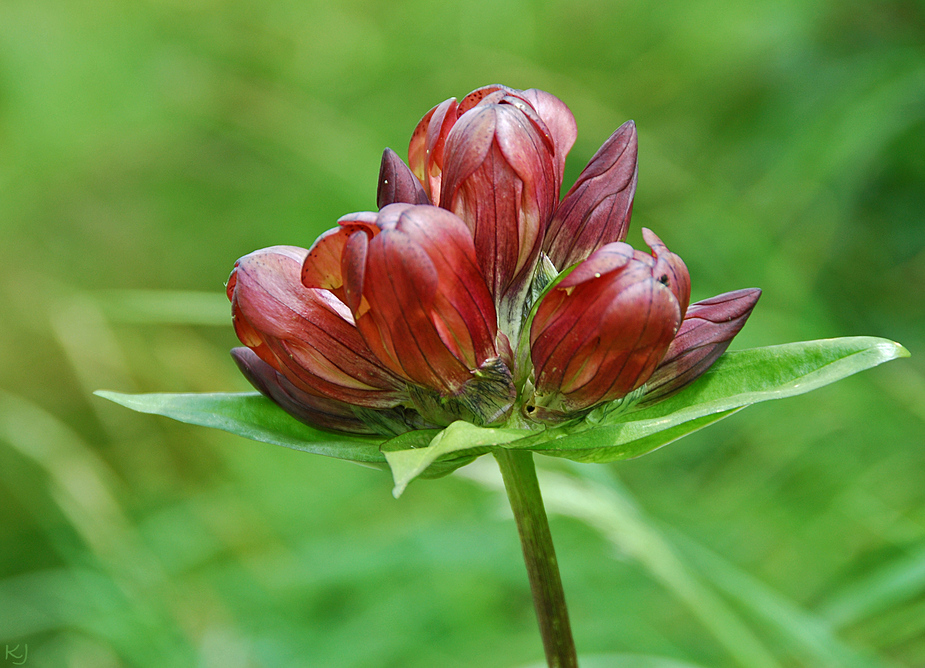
[523,492]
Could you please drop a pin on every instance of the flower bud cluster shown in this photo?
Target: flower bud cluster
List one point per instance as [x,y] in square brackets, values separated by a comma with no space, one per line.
[430,310]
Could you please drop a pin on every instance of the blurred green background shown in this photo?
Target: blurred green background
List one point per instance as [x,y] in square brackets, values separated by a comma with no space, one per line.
[145,145]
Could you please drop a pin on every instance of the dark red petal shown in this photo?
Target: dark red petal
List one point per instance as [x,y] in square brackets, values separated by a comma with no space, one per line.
[322,266]
[397,183]
[353,263]
[609,258]
[597,209]
[706,332]
[306,334]
[387,219]
[670,269]
[417,147]
[463,311]
[478,96]
[401,285]
[469,143]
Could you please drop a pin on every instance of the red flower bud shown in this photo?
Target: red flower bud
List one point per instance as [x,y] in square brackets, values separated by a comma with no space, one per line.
[706,332]
[499,176]
[421,305]
[397,183]
[557,117]
[600,332]
[306,335]
[597,209]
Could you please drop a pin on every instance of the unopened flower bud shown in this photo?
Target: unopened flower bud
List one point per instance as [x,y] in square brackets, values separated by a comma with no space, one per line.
[597,209]
[421,305]
[397,183]
[707,330]
[601,332]
[499,176]
[307,335]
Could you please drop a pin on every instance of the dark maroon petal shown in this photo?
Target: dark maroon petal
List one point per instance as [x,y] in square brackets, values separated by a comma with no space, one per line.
[312,410]
[597,209]
[706,332]
[397,183]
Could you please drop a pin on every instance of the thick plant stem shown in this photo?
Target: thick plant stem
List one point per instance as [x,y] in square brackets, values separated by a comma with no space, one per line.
[523,491]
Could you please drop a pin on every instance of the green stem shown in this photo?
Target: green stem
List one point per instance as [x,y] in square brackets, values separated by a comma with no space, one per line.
[523,491]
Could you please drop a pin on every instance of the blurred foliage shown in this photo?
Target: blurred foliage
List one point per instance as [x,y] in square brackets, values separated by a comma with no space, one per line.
[144,146]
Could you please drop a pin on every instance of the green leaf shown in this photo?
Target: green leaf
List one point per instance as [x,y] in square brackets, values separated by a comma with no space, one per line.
[459,437]
[421,438]
[736,380]
[253,416]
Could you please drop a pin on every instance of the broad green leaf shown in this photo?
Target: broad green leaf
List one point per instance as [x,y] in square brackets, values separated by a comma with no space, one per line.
[736,380]
[629,440]
[460,436]
[253,416]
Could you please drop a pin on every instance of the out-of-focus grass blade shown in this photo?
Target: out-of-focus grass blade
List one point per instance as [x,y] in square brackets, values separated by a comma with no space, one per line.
[620,521]
[165,307]
[891,584]
[113,601]
[808,634]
